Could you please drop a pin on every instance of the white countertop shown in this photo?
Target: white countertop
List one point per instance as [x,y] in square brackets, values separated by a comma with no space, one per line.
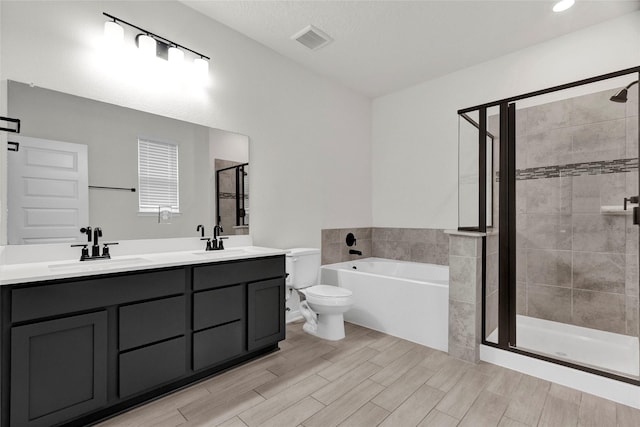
[39,271]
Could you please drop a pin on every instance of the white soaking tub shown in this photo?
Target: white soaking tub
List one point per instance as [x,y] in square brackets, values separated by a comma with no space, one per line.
[409,300]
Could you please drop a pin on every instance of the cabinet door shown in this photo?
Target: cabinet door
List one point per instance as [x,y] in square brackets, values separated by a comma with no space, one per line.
[265,313]
[58,369]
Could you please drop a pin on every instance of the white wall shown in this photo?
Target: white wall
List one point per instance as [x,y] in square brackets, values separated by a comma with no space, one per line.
[310,138]
[415,131]
[228,146]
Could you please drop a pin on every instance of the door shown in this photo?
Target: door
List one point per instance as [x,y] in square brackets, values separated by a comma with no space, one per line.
[48,195]
[573,170]
[58,369]
[265,307]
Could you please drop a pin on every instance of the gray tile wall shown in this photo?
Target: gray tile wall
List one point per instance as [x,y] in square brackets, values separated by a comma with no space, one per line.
[465,297]
[334,247]
[403,244]
[411,244]
[576,265]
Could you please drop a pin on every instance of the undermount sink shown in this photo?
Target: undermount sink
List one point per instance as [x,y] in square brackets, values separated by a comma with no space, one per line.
[247,250]
[222,252]
[101,264]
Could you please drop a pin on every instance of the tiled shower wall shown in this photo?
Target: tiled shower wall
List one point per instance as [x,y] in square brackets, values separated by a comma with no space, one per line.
[404,244]
[575,264]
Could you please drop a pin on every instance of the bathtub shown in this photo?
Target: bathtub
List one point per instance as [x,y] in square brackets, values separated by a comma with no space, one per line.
[409,300]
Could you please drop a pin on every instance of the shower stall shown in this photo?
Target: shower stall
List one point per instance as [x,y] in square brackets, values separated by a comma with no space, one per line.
[552,178]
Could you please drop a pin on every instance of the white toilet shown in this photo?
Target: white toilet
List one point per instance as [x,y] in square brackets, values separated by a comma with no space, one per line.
[323,305]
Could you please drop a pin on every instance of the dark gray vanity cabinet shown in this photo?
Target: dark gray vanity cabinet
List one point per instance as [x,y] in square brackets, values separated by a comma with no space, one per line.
[230,307]
[75,351]
[62,338]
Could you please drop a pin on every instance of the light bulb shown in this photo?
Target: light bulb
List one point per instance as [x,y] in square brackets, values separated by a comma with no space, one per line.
[147,45]
[563,5]
[113,33]
[201,67]
[176,56]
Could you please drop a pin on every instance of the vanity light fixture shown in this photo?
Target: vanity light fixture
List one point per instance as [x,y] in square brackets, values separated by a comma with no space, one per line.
[113,33]
[146,45]
[176,56]
[201,66]
[563,5]
[151,44]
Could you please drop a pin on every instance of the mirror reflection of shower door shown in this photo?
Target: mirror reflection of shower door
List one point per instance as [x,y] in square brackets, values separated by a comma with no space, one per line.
[576,247]
[232,196]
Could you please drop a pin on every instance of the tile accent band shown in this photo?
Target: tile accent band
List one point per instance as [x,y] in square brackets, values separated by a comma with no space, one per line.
[577,169]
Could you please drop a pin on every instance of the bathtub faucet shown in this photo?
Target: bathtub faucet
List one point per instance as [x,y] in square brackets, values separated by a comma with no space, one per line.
[355,252]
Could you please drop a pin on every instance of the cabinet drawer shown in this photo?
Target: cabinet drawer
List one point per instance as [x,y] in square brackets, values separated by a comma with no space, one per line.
[218,344]
[152,321]
[67,297]
[231,273]
[151,366]
[211,308]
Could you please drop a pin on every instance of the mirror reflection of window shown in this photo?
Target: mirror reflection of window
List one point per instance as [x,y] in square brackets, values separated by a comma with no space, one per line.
[158,176]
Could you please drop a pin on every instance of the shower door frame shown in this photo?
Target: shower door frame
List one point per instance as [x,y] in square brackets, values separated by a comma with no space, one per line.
[507,336]
[484,164]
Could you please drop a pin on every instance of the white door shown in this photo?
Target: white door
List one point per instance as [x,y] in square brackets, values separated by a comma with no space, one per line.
[48,193]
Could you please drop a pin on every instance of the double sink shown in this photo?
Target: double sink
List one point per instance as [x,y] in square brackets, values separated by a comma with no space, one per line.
[132,261]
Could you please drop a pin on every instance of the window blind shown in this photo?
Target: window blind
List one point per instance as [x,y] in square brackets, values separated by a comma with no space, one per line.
[157,176]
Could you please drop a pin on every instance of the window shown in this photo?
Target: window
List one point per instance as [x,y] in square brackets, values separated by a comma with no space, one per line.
[157,176]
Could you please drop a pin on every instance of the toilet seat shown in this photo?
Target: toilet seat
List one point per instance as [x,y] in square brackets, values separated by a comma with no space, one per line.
[328,295]
[328,291]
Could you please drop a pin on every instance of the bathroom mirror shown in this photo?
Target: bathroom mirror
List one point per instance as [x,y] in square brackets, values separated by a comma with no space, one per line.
[51,196]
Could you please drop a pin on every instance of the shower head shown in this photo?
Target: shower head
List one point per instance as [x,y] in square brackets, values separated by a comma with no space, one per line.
[621,95]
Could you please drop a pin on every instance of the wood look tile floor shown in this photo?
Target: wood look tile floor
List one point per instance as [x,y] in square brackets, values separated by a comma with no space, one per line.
[373,379]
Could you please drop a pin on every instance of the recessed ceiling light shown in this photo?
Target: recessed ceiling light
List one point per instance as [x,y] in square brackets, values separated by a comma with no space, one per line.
[563,5]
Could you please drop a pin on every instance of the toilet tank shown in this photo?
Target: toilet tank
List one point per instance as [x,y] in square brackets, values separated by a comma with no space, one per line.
[303,266]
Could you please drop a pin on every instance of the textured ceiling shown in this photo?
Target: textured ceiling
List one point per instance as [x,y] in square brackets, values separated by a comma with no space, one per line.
[383,46]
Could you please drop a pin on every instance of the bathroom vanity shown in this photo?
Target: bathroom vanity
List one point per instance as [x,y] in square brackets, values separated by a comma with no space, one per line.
[107,337]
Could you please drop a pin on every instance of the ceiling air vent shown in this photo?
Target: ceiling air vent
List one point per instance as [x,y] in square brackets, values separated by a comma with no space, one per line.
[312,38]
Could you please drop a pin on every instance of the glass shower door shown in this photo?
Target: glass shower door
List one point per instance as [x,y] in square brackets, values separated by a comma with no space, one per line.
[576,246]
